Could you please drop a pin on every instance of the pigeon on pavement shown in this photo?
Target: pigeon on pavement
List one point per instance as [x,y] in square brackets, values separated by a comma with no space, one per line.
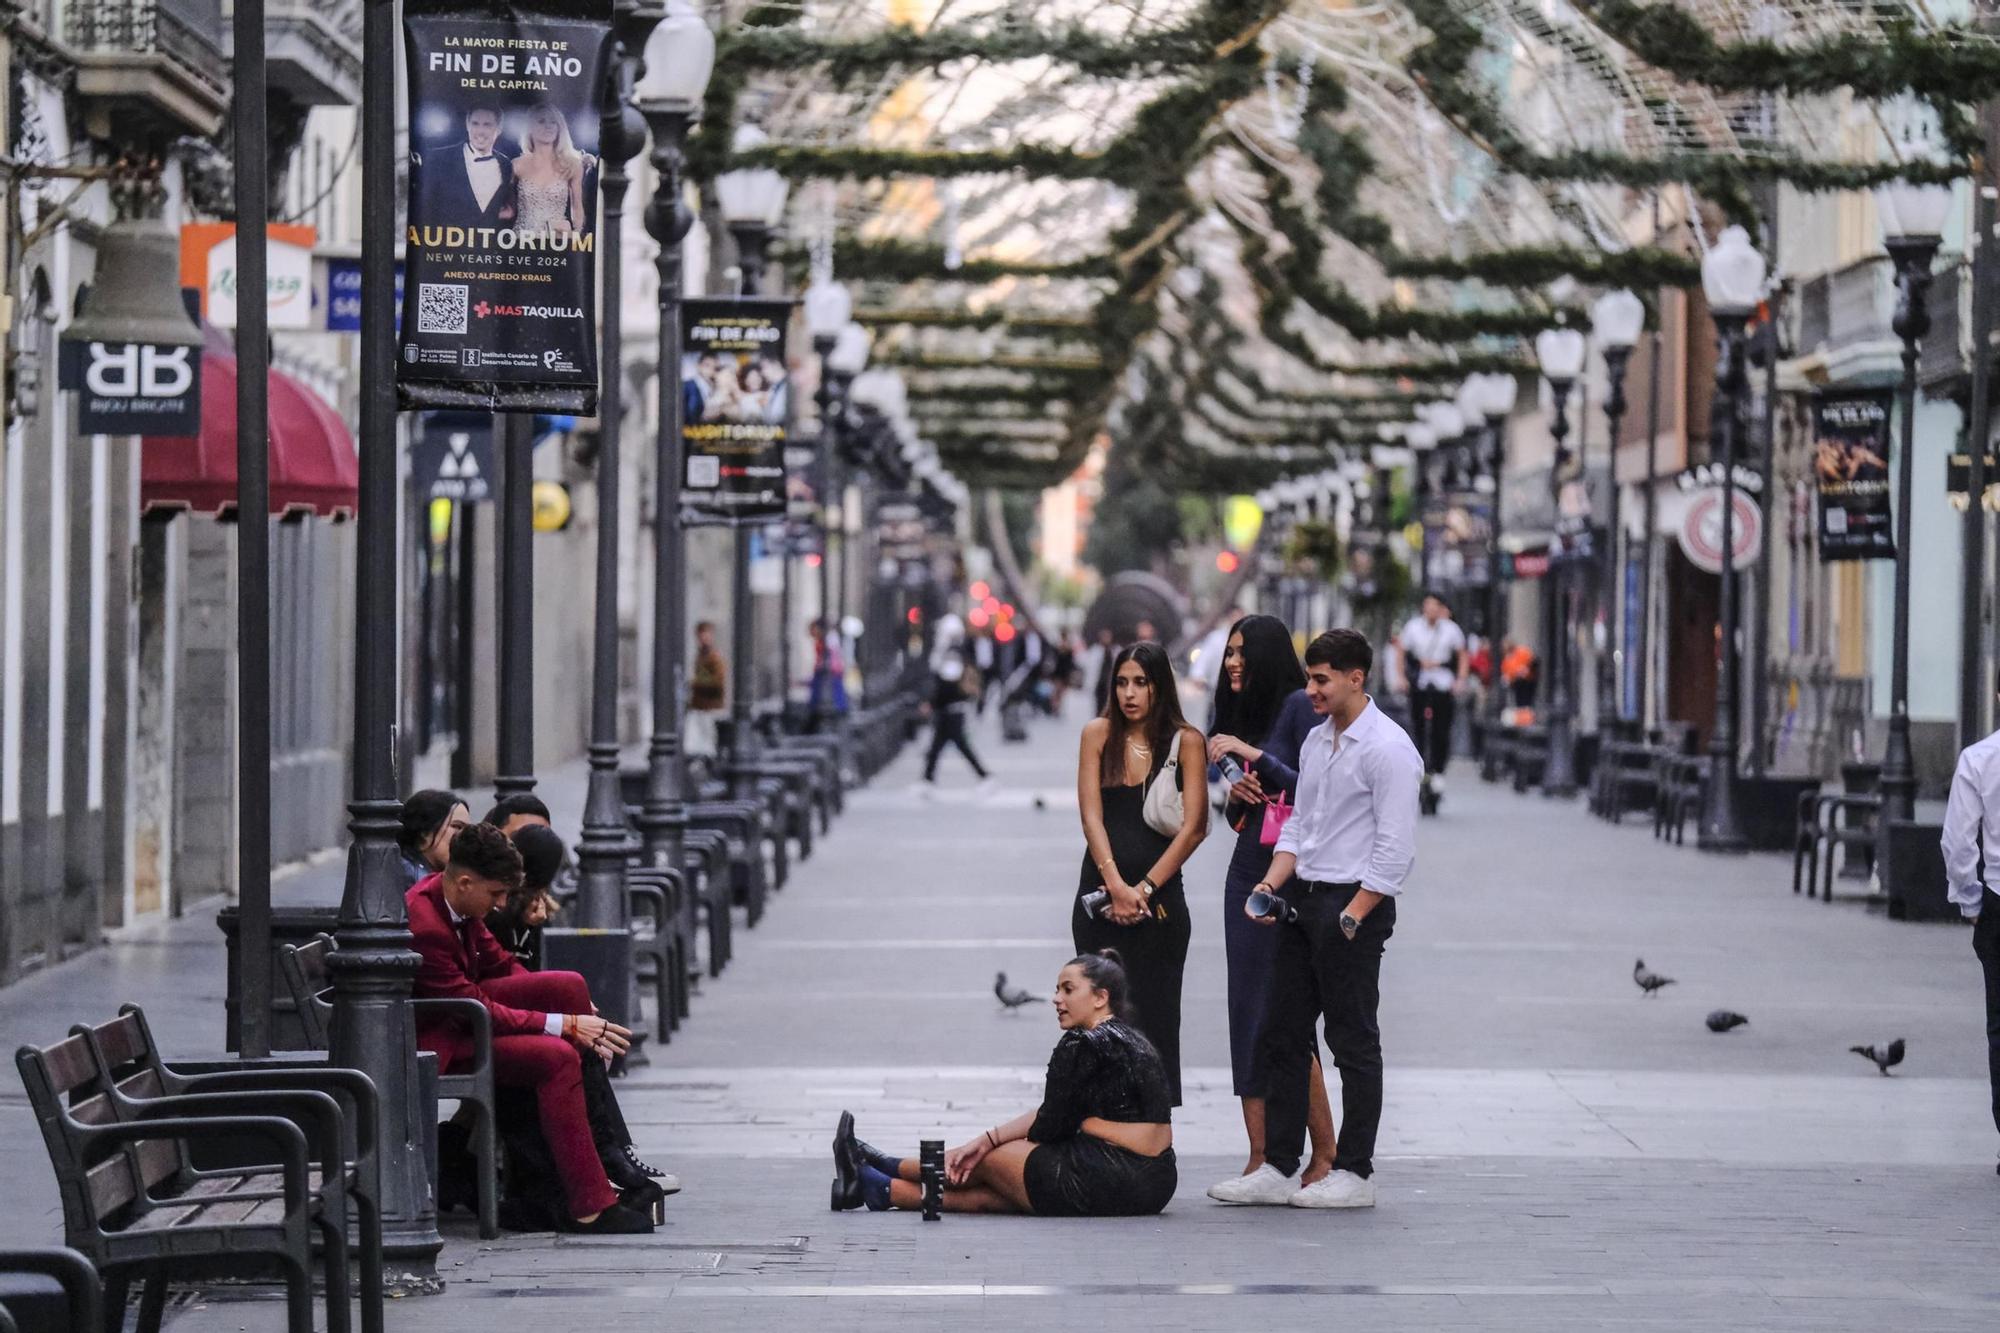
[1013,1000]
[1722,1020]
[1884,1057]
[1648,981]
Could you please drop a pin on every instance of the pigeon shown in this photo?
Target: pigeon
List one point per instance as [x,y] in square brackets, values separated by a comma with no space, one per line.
[1041,802]
[1722,1020]
[1012,1000]
[1884,1056]
[1648,981]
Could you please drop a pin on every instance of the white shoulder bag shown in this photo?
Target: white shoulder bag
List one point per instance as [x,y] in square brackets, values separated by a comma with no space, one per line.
[1164,809]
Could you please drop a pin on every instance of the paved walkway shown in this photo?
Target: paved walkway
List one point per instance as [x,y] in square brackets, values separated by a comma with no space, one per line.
[1558,1151]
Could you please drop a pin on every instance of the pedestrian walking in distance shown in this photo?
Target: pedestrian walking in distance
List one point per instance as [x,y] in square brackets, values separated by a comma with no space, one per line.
[1262,716]
[1436,664]
[1340,864]
[1972,870]
[950,700]
[1137,838]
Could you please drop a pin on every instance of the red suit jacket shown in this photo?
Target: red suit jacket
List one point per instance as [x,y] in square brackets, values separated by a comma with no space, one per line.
[455,959]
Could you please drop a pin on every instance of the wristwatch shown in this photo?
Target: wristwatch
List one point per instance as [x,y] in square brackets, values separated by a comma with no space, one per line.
[1349,925]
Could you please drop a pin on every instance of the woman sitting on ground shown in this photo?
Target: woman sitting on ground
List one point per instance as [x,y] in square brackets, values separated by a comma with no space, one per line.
[1100,1144]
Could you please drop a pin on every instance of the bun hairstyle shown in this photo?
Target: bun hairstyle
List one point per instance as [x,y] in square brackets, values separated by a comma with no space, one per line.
[1105,971]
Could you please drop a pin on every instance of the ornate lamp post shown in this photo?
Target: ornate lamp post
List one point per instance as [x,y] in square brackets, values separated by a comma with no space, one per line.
[847,359]
[1913,218]
[828,307]
[1560,353]
[752,200]
[607,845]
[1493,398]
[1422,438]
[1732,277]
[1616,321]
[679,57]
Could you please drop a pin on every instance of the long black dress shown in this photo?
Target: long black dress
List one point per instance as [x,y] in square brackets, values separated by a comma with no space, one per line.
[1154,949]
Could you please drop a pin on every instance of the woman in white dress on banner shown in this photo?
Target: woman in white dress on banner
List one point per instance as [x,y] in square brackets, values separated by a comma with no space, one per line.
[548,175]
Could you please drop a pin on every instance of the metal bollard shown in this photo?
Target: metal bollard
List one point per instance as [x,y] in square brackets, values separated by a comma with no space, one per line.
[930,1160]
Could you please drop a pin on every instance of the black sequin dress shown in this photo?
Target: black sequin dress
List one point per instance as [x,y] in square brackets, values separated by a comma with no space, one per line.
[1110,1072]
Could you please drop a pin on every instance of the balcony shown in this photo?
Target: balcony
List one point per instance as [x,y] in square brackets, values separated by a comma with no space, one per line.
[1844,323]
[1942,357]
[148,69]
[312,51]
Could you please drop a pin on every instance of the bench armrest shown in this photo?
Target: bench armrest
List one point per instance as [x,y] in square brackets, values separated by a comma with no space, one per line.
[282,1134]
[316,1114]
[477,1017]
[349,1086]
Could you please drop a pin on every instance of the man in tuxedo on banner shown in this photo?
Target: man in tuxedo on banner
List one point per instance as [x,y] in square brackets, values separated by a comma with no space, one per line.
[469,183]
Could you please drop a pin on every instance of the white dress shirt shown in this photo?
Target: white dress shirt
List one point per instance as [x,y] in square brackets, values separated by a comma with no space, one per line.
[1434,643]
[483,170]
[1971,866]
[1355,814]
[551,1023]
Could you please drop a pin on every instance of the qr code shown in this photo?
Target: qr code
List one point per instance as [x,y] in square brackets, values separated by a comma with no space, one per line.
[441,307]
[1836,522]
[704,472]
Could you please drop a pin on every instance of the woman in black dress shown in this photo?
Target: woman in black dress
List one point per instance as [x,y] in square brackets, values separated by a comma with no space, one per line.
[1145,915]
[1262,716]
[1100,1145]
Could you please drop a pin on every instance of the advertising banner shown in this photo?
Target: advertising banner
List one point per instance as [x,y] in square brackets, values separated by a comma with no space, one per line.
[501,251]
[1851,468]
[1458,533]
[452,457]
[736,398]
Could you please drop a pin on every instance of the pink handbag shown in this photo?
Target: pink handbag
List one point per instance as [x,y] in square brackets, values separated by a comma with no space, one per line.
[1276,812]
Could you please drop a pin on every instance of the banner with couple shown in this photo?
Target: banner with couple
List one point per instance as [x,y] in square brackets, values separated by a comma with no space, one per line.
[500,253]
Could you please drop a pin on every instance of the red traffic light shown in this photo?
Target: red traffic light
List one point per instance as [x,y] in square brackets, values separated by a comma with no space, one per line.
[1226,561]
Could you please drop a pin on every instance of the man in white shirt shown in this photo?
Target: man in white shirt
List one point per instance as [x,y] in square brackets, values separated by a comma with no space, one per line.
[1435,662]
[1341,861]
[1972,872]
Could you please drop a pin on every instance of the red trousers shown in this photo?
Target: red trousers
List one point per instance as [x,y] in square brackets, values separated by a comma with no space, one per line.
[552,1067]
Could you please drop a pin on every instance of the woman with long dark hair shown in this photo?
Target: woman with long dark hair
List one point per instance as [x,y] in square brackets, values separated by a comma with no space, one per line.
[430,820]
[1262,716]
[1101,1144]
[1124,754]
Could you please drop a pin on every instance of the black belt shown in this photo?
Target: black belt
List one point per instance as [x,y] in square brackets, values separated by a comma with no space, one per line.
[1327,885]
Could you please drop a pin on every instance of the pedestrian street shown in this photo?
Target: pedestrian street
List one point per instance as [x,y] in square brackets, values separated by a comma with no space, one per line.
[1558,1150]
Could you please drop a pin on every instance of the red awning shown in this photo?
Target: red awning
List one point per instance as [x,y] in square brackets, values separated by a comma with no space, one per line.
[314,469]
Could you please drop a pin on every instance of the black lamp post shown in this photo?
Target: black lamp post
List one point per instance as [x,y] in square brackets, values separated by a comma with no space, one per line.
[1493,396]
[752,200]
[1732,277]
[1616,320]
[679,57]
[1560,352]
[607,844]
[1913,217]
[374,965]
[1973,684]
[828,306]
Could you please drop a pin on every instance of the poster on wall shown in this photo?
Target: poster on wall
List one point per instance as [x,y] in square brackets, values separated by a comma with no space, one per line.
[1458,530]
[736,398]
[500,254]
[1851,470]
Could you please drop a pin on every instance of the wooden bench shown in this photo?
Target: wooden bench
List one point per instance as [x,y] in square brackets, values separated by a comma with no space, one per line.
[136,1205]
[309,980]
[52,1290]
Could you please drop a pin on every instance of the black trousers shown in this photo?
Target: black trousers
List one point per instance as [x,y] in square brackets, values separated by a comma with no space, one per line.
[1318,971]
[948,728]
[1433,733]
[1986,943]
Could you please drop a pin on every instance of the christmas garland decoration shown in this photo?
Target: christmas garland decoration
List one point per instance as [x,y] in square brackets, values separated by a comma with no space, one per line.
[1009,322]
[900,261]
[1439,66]
[1642,268]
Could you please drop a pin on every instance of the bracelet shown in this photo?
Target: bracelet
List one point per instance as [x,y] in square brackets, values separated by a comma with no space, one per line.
[991,1140]
[569,1027]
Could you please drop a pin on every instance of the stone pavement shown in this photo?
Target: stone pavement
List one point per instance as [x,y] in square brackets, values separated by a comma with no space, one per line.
[1557,1152]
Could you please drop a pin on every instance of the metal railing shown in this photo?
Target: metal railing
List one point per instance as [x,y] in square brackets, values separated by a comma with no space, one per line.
[188,32]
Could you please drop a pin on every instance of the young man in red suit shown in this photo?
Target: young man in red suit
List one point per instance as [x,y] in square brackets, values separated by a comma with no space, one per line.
[544,1025]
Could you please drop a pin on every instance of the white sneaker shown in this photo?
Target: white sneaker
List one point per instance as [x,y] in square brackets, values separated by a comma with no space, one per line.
[1265,1185]
[1437,784]
[986,786]
[921,790]
[1340,1189]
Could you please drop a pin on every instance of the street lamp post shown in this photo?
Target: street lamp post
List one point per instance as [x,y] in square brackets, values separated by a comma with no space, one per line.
[374,964]
[679,57]
[1495,400]
[752,200]
[1422,438]
[1616,321]
[828,306]
[843,363]
[1732,277]
[1913,218]
[607,843]
[1560,353]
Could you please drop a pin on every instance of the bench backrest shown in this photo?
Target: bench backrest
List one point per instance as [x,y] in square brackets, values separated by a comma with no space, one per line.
[68,1096]
[307,976]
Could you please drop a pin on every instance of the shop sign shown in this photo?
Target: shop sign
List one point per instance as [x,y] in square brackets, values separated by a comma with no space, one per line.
[1851,470]
[501,250]
[208,264]
[132,388]
[452,459]
[1701,529]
